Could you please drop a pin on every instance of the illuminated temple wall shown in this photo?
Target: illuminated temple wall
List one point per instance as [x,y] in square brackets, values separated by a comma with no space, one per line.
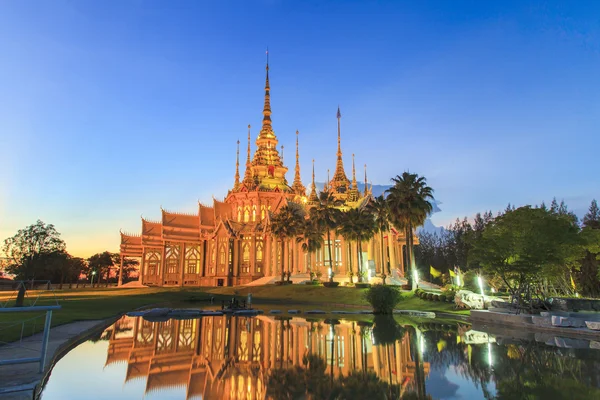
[230,243]
[229,357]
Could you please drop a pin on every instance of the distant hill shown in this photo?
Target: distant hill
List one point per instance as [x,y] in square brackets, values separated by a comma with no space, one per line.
[378,190]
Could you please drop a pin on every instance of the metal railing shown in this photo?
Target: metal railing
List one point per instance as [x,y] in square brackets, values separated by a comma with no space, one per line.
[19,301]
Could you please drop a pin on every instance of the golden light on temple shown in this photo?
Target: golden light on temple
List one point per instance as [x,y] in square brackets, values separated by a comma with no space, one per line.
[229,242]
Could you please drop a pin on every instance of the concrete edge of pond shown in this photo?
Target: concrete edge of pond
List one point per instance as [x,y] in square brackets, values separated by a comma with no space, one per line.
[484,318]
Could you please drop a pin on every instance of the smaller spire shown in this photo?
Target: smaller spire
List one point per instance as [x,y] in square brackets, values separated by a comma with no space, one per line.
[326,186]
[282,154]
[248,173]
[298,187]
[366,182]
[354,184]
[236,184]
[313,187]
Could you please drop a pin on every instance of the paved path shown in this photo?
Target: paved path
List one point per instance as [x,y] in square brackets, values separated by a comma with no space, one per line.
[18,381]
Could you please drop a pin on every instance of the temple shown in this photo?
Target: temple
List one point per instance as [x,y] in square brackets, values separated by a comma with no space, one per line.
[229,242]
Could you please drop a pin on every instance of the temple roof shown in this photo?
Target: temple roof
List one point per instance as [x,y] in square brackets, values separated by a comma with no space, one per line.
[179,220]
[222,209]
[207,215]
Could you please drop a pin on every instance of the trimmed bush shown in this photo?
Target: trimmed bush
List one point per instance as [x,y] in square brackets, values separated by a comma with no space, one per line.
[436,297]
[383,298]
[429,296]
[443,297]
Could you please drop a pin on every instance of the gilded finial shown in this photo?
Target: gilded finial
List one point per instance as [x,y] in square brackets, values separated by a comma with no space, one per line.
[354,185]
[313,187]
[366,182]
[248,173]
[282,154]
[340,180]
[298,187]
[236,184]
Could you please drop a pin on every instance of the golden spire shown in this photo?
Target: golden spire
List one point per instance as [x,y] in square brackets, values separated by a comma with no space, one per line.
[267,166]
[282,153]
[366,185]
[354,184]
[298,187]
[248,173]
[340,180]
[326,186]
[236,184]
[313,187]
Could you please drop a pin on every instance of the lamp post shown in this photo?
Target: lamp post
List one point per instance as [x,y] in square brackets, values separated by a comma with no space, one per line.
[93,273]
[480,282]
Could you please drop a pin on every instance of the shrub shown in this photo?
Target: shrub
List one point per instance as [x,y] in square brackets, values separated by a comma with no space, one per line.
[429,296]
[442,297]
[383,298]
[436,297]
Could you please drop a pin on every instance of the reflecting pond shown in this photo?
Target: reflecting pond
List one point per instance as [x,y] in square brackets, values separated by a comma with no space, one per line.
[230,357]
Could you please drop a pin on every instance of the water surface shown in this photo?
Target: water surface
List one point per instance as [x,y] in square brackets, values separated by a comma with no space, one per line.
[227,357]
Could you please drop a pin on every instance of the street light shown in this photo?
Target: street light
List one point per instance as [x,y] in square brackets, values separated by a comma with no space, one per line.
[480,281]
[93,273]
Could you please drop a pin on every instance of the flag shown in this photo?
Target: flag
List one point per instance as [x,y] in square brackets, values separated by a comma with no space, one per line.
[434,272]
[572,282]
[452,274]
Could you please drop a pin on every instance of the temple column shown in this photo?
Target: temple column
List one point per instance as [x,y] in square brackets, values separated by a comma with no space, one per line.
[235,268]
[267,256]
[162,266]
[120,282]
[285,257]
[393,264]
[252,266]
[182,264]
[142,267]
[343,250]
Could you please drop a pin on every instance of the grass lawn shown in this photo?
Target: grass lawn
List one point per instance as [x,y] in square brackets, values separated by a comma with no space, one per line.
[101,303]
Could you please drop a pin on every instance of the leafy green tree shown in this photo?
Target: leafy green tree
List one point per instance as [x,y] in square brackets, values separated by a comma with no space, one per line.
[409,201]
[347,230]
[100,264]
[31,251]
[381,213]
[526,245]
[588,281]
[358,225]
[327,217]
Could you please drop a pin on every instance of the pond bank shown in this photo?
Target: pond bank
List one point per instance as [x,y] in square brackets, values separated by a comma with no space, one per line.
[20,381]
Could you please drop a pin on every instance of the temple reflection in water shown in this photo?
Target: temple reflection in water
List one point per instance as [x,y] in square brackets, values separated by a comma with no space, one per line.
[226,357]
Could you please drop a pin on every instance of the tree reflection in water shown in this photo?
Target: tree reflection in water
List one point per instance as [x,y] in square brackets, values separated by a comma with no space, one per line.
[227,357]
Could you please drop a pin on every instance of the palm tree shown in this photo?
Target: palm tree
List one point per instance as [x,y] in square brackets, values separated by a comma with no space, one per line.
[327,217]
[409,205]
[311,237]
[364,229]
[381,213]
[285,225]
[346,230]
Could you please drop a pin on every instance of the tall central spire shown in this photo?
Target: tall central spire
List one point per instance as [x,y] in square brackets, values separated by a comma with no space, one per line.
[298,187]
[340,182]
[267,165]
[313,198]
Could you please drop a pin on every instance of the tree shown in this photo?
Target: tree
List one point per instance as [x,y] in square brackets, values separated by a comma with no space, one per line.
[287,224]
[31,250]
[409,201]
[327,217]
[347,231]
[311,237]
[100,264]
[381,213]
[588,280]
[525,246]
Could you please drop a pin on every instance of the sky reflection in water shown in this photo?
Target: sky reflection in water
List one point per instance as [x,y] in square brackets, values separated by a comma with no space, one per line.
[264,357]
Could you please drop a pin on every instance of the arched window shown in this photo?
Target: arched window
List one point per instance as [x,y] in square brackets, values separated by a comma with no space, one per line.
[246,214]
[172,252]
[262,212]
[192,259]
[239,213]
[254,213]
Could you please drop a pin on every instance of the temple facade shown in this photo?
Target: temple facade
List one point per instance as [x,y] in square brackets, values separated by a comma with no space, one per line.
[229,242]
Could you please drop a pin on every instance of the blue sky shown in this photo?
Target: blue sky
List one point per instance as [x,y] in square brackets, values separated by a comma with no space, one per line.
[110,109]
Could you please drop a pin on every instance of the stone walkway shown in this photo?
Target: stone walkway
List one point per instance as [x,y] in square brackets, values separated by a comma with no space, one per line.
[20,380]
